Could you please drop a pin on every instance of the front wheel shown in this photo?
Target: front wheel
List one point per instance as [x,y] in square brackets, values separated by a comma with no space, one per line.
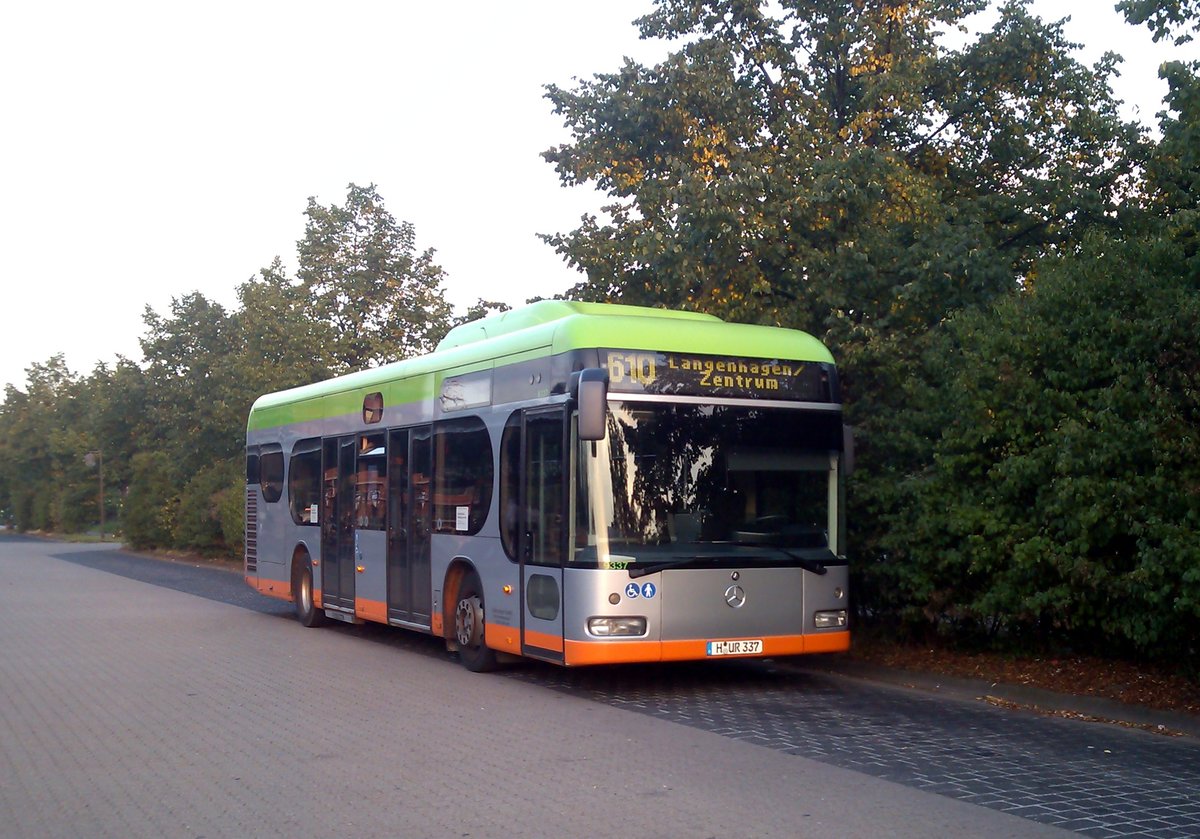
[302,593]
[473,652]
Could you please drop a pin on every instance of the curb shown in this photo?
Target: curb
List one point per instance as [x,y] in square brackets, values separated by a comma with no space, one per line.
[1038,700]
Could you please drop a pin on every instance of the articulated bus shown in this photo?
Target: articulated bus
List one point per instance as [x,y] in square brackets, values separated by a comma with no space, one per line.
[572,482]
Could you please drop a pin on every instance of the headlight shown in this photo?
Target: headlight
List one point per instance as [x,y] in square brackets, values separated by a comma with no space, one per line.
[612,627]
[829,620]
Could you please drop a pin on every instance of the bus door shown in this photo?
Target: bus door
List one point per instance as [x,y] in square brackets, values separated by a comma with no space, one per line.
[337,524]
[542,536]
[409,518]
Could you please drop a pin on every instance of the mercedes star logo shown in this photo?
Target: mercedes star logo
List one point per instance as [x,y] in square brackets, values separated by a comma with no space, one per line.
[735,596]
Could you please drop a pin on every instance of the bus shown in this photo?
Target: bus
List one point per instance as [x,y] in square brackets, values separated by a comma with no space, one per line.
[579,483]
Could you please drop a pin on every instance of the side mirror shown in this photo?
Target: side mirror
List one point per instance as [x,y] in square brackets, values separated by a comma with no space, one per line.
[589,389]
[847,450]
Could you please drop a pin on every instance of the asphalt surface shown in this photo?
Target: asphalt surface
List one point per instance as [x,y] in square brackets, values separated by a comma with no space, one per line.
[920,733]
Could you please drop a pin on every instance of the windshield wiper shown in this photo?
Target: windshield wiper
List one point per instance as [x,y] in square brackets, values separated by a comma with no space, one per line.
[814,566]
[643,570]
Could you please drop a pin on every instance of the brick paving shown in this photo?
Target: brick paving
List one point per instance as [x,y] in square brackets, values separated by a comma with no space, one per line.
[129,709]
[1091,779]
[1097,780]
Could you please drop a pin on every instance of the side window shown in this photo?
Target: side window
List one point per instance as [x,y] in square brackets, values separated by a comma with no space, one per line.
[270,466]
[510,484]
[372,408]
[370,484]
[304,481]
[463,475]
[251,464]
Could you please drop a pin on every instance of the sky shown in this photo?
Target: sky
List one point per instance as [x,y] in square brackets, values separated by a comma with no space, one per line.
[151,149]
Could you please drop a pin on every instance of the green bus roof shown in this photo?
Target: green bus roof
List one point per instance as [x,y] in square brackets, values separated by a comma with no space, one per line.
[545,328]
[551,311]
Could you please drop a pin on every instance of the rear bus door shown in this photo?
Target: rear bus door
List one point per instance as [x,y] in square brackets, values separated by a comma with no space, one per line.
[337,524]
[409,520]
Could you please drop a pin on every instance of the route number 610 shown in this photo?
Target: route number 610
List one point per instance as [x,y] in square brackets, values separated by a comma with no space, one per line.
[637,367]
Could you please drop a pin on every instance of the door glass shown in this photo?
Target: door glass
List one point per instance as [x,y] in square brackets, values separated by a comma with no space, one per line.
[421,518]
[370,484]
[399,584]
[345,513]
[409,511]
[544,490]
[330,582]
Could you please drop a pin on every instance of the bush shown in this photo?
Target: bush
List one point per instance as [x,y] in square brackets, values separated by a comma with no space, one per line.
[231,509]
[1063,496]
[152,504]
[22,509]
[41,502]
[73,507]
[200,520]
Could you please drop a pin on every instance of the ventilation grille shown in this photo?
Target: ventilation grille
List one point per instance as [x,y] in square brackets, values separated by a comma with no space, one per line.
[251,530]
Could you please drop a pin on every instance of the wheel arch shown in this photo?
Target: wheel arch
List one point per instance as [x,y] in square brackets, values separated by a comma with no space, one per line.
[456,572]
[300,555]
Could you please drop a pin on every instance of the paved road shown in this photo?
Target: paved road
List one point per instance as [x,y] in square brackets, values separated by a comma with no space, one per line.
[133,709]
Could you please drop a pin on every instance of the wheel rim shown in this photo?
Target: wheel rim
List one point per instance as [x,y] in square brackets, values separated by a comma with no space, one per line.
[468,618]
[305,593]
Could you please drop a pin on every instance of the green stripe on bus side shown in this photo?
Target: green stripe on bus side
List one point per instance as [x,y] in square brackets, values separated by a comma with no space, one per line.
[340,402]
[332,398]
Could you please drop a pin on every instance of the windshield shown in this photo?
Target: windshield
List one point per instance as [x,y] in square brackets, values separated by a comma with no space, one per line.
[672,480]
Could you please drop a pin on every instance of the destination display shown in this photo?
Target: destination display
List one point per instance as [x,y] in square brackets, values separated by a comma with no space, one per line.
[693,374]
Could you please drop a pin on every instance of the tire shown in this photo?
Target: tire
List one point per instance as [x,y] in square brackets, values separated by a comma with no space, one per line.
[470,628]
[302,593]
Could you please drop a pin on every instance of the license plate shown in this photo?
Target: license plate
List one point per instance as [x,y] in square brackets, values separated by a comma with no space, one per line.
[735,647]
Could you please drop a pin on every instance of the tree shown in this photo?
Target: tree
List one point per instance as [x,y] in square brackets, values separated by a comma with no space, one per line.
[196,413]
[1058,433]
[1166,18]
[281,343]
[830,166]
[44,441]
[481,309]
[172,429]
[47,432]
[362,275]
[1173,169]
[19,465]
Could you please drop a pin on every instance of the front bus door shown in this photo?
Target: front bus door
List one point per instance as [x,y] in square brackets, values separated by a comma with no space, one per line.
[409,518]
[543,532]
[337,524]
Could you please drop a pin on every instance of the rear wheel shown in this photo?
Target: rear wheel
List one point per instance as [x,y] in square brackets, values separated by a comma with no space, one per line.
[469,627]
[302,593]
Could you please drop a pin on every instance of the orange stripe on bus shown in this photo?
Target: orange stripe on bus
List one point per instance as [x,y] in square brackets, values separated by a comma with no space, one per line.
[506,639]
[629,652]
[611,652]
[271,588]
[827,642]
[544,640]
[371,610]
